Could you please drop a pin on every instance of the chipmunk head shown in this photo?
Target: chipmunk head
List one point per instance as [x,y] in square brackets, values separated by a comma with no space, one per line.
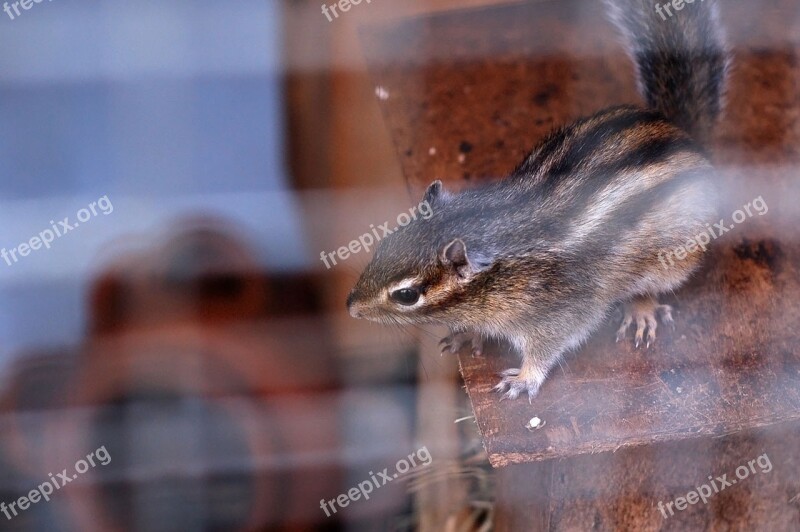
[420,272]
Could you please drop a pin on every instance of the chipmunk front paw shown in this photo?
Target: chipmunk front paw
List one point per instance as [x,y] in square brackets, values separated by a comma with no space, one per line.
[513,383]
[457,340]
[643,311]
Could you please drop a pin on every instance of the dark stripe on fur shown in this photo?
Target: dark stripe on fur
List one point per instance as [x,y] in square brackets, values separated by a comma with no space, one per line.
[586,145]
[652,152]
[631,212]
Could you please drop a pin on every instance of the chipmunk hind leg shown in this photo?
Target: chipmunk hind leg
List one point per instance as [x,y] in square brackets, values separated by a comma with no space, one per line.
[643,312]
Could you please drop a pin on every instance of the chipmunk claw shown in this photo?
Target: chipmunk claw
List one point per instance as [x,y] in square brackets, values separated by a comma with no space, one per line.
[456,341]
[644,313]
[511,385]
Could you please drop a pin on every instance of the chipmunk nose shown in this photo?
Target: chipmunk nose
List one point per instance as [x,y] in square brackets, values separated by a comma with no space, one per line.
[351,306]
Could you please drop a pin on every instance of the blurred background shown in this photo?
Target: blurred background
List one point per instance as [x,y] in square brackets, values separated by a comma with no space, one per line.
[191,331]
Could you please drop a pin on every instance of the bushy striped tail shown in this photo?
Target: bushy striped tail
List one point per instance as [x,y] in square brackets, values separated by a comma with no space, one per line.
[680,56]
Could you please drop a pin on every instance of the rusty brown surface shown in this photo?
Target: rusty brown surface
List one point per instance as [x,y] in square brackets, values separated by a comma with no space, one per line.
[622,490]
[487,83]
[468,93]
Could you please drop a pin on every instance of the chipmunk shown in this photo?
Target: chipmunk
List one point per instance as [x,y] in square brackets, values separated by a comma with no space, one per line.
[541,257]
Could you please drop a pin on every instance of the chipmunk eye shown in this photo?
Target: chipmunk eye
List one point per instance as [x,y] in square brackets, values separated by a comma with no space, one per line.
[405,296]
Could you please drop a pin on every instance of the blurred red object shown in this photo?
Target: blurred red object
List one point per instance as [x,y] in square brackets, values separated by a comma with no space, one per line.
[211,384]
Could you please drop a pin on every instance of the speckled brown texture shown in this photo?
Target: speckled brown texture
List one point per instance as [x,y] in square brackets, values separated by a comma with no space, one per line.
[487,84]
[490,95]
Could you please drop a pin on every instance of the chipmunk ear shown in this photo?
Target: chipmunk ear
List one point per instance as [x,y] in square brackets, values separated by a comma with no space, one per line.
[455,256]
[434,193]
